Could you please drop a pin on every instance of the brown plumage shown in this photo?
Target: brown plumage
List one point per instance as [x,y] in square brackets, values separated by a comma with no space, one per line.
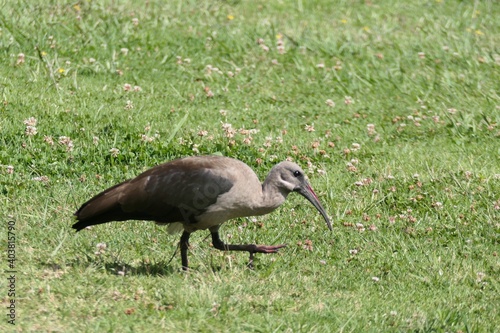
[198,193]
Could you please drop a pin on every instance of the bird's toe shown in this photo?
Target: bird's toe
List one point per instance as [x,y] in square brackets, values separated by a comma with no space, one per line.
[269,248]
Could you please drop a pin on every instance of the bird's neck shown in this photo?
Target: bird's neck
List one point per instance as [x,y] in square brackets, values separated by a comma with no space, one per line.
[272,196]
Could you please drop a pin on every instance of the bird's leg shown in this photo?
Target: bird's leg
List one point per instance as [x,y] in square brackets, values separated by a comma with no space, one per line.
[184,244]
[250,260]
[251,248]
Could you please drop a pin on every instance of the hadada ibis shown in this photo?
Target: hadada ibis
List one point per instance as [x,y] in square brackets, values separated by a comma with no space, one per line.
[198,193]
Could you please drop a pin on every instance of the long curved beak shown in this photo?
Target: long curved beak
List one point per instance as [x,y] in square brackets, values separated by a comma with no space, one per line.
[306,191]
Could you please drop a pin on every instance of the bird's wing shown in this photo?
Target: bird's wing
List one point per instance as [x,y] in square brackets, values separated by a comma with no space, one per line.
[177,191]
[174,192]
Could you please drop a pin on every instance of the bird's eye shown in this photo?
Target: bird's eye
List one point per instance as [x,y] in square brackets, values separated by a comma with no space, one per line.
[297,173]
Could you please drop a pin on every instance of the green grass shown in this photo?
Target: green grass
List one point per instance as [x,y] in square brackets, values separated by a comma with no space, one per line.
[426,74]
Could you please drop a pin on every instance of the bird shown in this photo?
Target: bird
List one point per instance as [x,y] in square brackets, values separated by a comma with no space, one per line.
[198,193]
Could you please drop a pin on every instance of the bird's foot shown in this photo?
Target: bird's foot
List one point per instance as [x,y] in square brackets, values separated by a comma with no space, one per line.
[268,248]
[263,249]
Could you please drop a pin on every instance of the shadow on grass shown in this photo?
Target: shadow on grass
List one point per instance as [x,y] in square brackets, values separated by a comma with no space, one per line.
[120,268]
[159,269]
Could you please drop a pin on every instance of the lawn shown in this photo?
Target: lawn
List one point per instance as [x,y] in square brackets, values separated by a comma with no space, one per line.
[391,107]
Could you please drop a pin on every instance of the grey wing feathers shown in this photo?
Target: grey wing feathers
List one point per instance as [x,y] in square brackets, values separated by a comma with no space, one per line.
[189,194]
[173,192]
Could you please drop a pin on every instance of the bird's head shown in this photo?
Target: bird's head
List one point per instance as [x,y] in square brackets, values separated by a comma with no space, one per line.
[289,177]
